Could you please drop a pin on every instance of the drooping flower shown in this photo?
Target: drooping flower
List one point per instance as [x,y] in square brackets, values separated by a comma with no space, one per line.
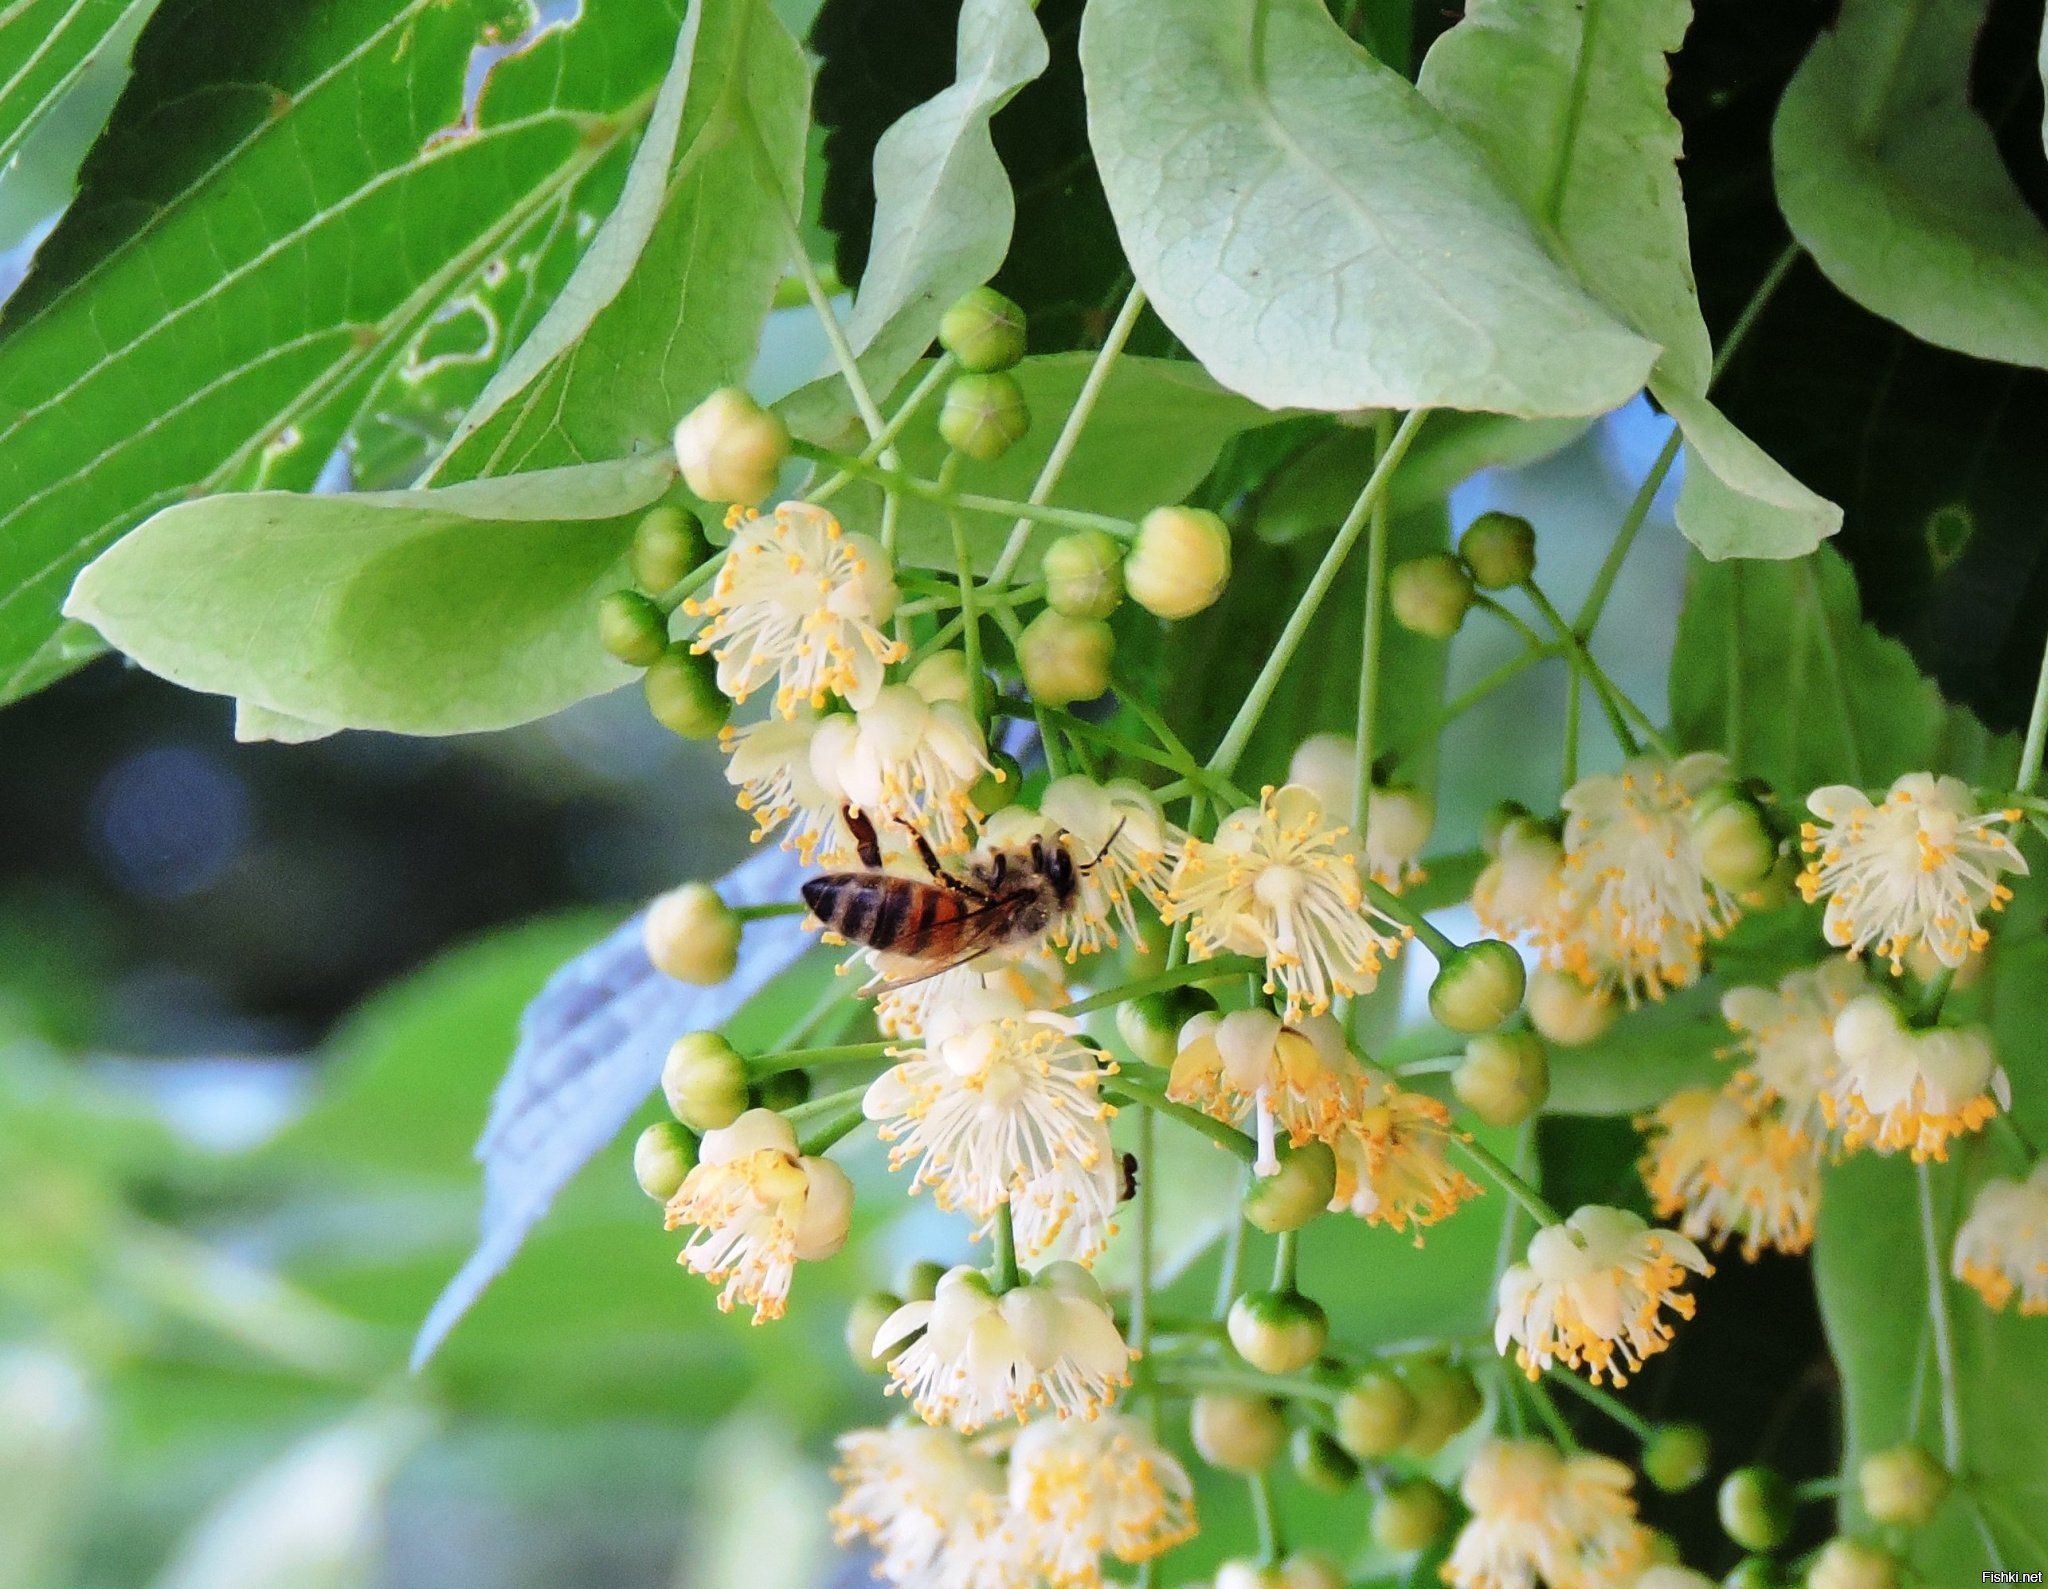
[1591,1293]
[771,767]
[905,761]
[907,993]
[1296,1076]
[1732,1172]
[802,603]
[1048,1343]
[2003,1245]
[1398,819]
[1081,1490]
[1281,881]
[1122,845]
[1002,1099]
[935,1510]
[1393,1165]
[1789,1034]
[1894,1087]
[1570,1521]
[759,1205]
[1920,868]
[1517,891]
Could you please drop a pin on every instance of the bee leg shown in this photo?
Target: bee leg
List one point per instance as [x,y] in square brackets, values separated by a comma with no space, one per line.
[940,875]
[865,843]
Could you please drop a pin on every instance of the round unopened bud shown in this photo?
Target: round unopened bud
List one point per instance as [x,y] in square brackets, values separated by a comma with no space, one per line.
[1310,1569]
[1447,1399]
[1151,1025]
[1566,1011]
[1676,1456]
[1302,1189]
[1410,1515]
[1755,1507]
[863,1323]
[1429,594]
[692,935]
[984,416]
[683,694]
[984,331]
[662,1155]
[1500,549]
[1902,1485]
[1084,574]
[1179,562]
[1319,1462]
[1753,1572]
[667,545]
[705,1081]
[1065,659]
[1237,1433]
[1241,1572]
[1478,987]
[1278,1331]
[785,1089]
[1845,1563]
[1375,1415]
[632,628]
[731,448]
[943,676]
[828,1209]
[1500,817]
[1504,1077]
[997,789]
[1732,837]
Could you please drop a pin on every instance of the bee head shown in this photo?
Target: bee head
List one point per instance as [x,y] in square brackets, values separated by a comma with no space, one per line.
[1059,869]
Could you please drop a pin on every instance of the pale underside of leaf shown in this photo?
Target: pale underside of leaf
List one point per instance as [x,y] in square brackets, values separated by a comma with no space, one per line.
[46,46]
[1736,500]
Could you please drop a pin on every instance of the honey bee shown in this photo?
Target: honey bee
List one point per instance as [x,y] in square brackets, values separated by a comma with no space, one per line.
[1009,895]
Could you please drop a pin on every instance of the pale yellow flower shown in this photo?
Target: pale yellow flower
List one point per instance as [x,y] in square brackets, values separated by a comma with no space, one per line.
[1081,1490]
[1297,1077]
[1731,1172]
[1393,1165]
[1789,1033]
[2002,1248]
[1894,1087]
[1537,1514]
[935,1510]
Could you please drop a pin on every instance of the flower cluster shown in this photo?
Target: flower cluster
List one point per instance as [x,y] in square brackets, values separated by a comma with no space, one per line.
[1536,1513]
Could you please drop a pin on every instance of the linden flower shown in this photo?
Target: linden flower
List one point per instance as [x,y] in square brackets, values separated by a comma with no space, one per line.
[1518,890]
[1296,1076]
[1590,1294]
[934,1509]
[1733,1173]
[1897,1088]
[1122,847]
[1535,1513]
[771,767]
[799,601]
[905,760]
[1392,1167]
[907,993]
[1000,1100]
[759,1205]
[1398,821]
[1048,1343]
[1080,1489]
[1281,881]
[1635,910]
[2003,1245]
[1918,869]
[1790,1036]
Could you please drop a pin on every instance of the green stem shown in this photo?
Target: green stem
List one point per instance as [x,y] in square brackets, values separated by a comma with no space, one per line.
[697,578]
[1765,291]
[1546,1409]
[1514,621]
[1124,1090]
[1155,724]
[1616,705]
[1141,1286]
[1284,1259]
[1508,1181]
[1392,904]
[1233,1250]
[940,372]
[1220,969]
[1241,727]
[1267,1519]
[1573,692]
[2037,732]
[794,907]
[1625,537]
[1634,1422]
[970,617]
[1369,646]
[1285,1387]
[1007,1277]
[816,1058]
[835,334]
[1821,1489]
[1944,1332]
[892,479]
[828,1131]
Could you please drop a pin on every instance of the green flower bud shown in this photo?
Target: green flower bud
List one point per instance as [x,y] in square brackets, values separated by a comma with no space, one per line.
[1504,1077]
[943,676]
[662,1155]
[1447,1399]
[1065,659]
[730,448]
[1302,1190]
[683,694]
[1241,1572]
[705,1081]
[1500,549]
[1179,562]
[1084,574]
[1310,1569]
[1410,1515]
[632,628]
[667,545]
[1237,1433]
[1151,1025]
[863,1322]
[783,1090]
[1753,1572]
[1902,1485]
[1850,1564]
[1677,1456]
[1375,1415]
[692,935]
[1755,1505]
[921,1280]
[998,790]
[1478,987]
[1566,1011]
[1319,1462]
[984,331]
[1733,837]
[1429,594]
[984,416]
[1278,1331]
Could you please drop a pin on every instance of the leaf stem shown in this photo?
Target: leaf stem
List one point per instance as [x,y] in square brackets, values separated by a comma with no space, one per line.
[1944,1331]
[766,1065]
[920,394]
[1221,969]
[793,907]
[1267,1519]
[1369,645]
[1507,1180]
[1216,1376]
[1408,916]
[1124,1089]
[1631,1420]
[1625,537]
[893,479]
[1007,1277]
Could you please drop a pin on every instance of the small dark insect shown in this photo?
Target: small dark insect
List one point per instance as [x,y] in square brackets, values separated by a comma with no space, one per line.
[1129,1190]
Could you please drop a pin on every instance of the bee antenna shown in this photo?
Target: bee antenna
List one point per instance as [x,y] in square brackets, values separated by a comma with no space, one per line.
[1114,834]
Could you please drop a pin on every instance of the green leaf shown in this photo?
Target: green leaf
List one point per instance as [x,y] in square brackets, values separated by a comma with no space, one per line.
[943,212]
[1568,101]
[46,46]
[1895,185]
[445,611]
[243,261]
[667,303]
[1318,234]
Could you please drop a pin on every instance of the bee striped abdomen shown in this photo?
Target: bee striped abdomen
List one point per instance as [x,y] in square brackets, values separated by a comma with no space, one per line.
[895,914]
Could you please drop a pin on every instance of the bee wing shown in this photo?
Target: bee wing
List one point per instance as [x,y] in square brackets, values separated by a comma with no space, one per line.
[981,931]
